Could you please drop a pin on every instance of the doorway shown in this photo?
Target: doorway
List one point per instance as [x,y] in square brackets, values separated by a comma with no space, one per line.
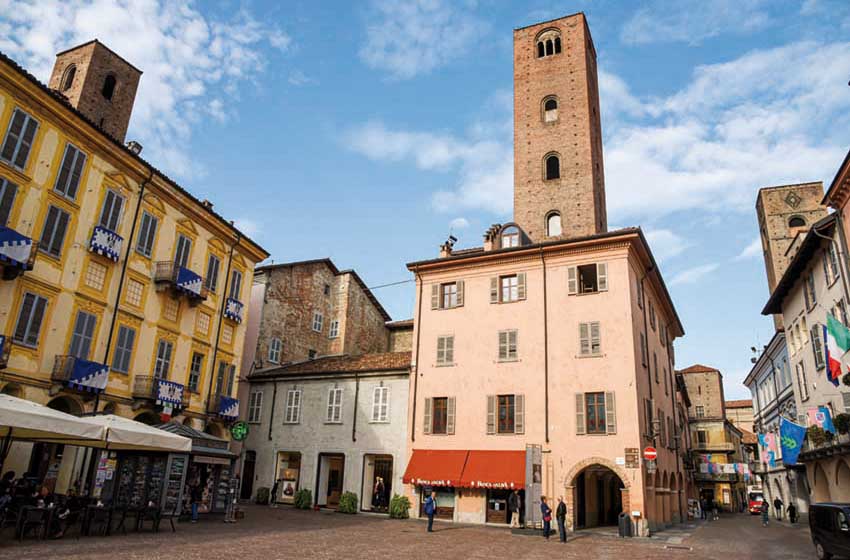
[377,483]
[330,479]
[248,475]
[599,497]
[497,506]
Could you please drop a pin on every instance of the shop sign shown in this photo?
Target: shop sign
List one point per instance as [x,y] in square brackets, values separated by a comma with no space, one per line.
[491,485]
[632,457]
[239,431]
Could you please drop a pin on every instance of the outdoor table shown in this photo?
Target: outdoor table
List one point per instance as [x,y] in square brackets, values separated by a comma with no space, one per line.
[46,514]
[90,511]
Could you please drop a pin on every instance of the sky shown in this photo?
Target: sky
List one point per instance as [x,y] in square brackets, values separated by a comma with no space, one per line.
[368,131]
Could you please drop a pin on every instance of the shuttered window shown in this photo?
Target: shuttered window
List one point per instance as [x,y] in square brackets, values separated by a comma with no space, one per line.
[274,350]
[123,349]
[655,365]
[110,215]
[590,339]
[19,138]
[647,411]
[333,414]
[53,232]
[162,365]
[147,234]
[508,345]
[293,407]
[587,278]
[183,250]
[448,295]
[439,417]
[68,179]
[506,414]
[195,371]
[643,359]
[381,404]
[445,350]
[255,406]
[595,412]
[82,336]
[211,278]
[30,318]
[817,345]
[8,190]
[235,284]
[231,379]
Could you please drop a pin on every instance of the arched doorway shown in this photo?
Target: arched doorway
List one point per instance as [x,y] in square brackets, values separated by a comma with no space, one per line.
[820,491]
[842,482]
[148,417]
[598,497]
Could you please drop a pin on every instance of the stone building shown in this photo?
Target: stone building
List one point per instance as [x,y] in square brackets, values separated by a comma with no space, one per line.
[740,413]
[717,445]
[121,292]
[543,360]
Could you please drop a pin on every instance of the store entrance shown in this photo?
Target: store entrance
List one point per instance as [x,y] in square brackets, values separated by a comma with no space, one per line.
[377,482]
[248,475]
[330,479]
[497,506]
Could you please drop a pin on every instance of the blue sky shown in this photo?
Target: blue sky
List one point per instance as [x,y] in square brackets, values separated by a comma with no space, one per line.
[366,131]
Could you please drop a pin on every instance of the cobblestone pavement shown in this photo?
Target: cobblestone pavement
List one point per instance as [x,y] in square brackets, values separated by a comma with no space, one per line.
[268,534]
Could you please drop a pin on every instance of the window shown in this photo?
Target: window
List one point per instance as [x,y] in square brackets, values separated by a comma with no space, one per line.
[817,345]
[548,43]
[334,411]
[445,350]
[68,180]
[640,294]
[809,291]
[235,284]
[840,307]
[509,286]
[171,309]
[318,320]
[203,323]
[293,407]
[643,351]
[510,237]
[381,404]
[648,417]
[255,406]
[449,295]
[553,167]
[195,371]
[666,383]
[327,289]
[651,315]
[135,290]
[108,89]
[507,345]
[68,77]
[833,273]
[311,354]
[95,277]
[82,336]
[550,109]
[275,348]
[8,190]
[507,414]
[110,215]
[595,410]
[505,289]
[147,234]
[333,332]
[553,224]
[700,411]
[655,363]
[702,437]
[123,349]
[596,413]
[162,364]
[19,138]
[53,232]
[211,279]
[796,221]
[182,251]
[590,340]
[587,279]
[227,334]
[439,415]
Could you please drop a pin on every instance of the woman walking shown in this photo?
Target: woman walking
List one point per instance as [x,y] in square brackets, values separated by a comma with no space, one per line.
[547,516]
[765,517]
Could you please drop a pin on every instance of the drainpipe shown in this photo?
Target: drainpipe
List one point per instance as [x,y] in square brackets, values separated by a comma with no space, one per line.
[274,400]
[356,400]
[545,348]
[415,373]
[142,186]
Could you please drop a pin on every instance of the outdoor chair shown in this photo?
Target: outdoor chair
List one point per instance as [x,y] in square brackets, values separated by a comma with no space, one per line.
[32,518]
[101,517]
[151,514]
[126,514]
[171,516]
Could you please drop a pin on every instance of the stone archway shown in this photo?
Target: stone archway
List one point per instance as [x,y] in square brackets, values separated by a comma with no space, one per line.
[597,491]
[148,417]
[67,404]
[820,488]
[842,481]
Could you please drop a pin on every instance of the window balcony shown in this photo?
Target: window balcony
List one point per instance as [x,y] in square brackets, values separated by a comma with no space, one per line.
[181,281]
[716,477]
[5,351]
[720,446]
[106,242]
[226,408]
[234,310]
[17,253]
[160,391]
[79,374]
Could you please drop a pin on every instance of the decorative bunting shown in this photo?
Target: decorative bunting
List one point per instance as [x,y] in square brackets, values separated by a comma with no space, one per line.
[228,407]
[88,376]
[233,309]
[188,281]
[14,247]
[106,242]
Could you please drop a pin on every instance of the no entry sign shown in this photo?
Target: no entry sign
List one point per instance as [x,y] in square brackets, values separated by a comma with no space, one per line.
[650,454]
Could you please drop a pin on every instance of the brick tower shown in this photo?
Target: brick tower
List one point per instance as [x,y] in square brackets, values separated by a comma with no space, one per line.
[784,212]
[99,83]
[559,184]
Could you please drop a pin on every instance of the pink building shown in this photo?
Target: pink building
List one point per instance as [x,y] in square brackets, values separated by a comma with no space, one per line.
[556,333]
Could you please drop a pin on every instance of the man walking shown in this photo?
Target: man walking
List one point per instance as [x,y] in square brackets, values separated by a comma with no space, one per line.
[547,516]
[561,516]
[765,516]
[777,507]
[431,509]
[513,507]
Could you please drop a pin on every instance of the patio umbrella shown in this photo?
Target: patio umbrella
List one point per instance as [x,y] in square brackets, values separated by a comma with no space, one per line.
[125,434]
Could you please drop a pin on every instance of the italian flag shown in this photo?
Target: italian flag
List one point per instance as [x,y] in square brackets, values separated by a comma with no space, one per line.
[837,338]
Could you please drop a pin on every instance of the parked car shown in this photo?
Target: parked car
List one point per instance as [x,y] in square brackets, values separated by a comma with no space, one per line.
[830,525]
[755,501]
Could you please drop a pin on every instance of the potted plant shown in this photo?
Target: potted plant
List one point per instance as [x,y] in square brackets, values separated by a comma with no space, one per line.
[347,503]
[399,507]
[842,423]
[303,499]
[816,435]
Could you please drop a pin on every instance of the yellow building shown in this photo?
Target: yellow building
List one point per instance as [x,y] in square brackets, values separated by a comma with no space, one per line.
[120,291]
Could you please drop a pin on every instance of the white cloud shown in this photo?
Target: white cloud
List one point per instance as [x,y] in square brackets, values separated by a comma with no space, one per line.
[459,223]
[249,227]
[692,21]
[665,243]
[299,78]
[750,251]
[693,275]
[192,64]
[411,37]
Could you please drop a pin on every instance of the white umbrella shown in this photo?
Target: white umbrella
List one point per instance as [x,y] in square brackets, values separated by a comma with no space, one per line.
[25,420]
[125,434]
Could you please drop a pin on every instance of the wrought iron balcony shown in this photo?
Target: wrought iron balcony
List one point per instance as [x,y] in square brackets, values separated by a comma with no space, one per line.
[161,391]
[17,253]
[106,242]
[180,280]
[5,351]
[234,309]
[715,446]
[80,374]
[224,407]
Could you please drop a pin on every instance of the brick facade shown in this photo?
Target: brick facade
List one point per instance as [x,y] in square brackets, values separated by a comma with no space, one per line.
[575,135]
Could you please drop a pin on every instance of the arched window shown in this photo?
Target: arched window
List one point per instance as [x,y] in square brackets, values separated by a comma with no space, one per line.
[550,109]
[796,221]
[68,77]
[553,167]
[557,45]
[548,43]
[550,49]
[108,87]
[541,49]
[553,224]
[510,237]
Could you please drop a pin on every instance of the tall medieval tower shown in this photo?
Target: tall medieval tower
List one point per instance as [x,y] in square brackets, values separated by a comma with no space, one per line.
[559,183]
[98,83]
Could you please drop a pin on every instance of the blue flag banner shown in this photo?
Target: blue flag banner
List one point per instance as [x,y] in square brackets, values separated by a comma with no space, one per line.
[827,420]
[791,437]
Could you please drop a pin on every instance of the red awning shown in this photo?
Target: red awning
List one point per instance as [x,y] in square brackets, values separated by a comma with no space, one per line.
[431,467]
[494,469]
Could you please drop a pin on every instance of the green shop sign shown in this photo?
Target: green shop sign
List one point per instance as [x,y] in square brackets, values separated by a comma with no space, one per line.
[239,431]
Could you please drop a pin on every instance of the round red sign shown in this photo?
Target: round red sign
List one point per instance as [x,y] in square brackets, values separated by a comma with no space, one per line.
[650,454]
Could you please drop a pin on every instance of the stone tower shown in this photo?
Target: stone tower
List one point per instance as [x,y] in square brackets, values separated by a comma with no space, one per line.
[99,83]
[559,184]
[784,212]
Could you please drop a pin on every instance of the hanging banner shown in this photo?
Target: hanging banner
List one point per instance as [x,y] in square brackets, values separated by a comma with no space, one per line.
[791,436]
[821,417]
[769,449]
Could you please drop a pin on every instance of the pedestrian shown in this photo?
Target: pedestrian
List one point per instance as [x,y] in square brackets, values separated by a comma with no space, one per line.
[561,516]
[777,507]
[715,510]
[431,509]
[378,493]
[273,495]
[547,516]
[703,508]
[765,517]
[513,507]
[195,495]
[792,512]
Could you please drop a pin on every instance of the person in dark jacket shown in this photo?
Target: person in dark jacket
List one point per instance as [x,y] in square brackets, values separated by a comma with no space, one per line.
[792,512]
[431,509]
[765,516]
[561,516]
[514,506]
[547,516]
[196,495]
[777,507]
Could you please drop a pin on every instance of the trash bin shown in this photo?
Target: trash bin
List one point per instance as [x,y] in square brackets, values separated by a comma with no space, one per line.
[625,525]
